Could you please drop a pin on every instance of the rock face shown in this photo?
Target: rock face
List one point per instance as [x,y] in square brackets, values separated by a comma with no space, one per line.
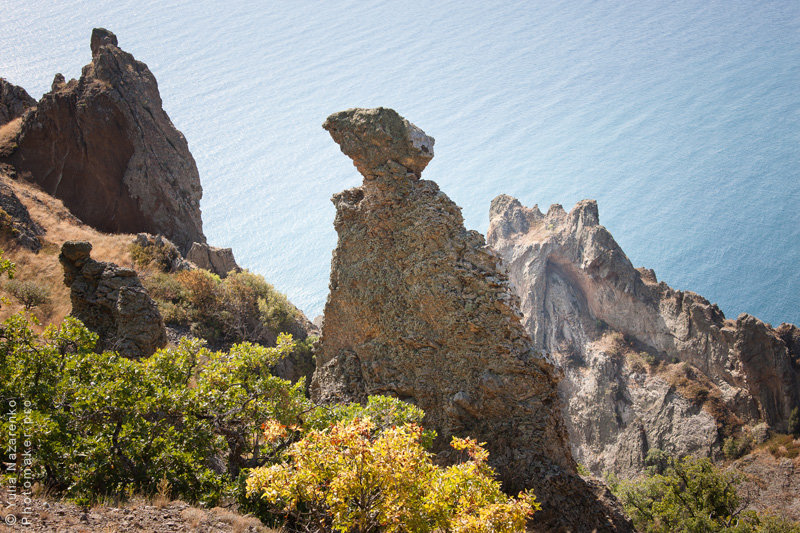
[220,261]
[646,366]
[419,310]
[16,221]
[104,145]
[111,301]
[14,101]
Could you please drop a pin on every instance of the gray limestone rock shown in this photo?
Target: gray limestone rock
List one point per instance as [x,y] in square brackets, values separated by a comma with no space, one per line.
[638,356]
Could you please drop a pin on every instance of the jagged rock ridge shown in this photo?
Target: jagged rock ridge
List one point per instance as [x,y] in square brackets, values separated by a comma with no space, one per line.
[14,101]
[577,288]
[104,145]
[418,309]
[111,301]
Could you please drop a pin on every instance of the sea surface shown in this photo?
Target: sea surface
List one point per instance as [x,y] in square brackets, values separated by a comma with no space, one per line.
[681,118]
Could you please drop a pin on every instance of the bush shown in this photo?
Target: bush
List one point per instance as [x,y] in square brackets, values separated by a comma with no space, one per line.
[738,445]
[105,425]
[241,307]
[159,254]
[794,422]
[355,477]
[692,494]
[29,293]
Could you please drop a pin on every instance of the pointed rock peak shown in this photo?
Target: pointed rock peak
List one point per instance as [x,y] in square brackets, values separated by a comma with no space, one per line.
[502,205]
[586,213]
[102,37]
[556,210]
[58,82]
[374,137]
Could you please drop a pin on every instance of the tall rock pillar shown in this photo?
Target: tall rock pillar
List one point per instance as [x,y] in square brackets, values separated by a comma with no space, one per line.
[419,310]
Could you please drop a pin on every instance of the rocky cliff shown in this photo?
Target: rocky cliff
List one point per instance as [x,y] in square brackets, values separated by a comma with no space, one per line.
[646,366]
[104,145]
[419,309]
[14,101]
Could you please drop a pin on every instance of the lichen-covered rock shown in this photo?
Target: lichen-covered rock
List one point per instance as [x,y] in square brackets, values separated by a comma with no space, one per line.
[576,286]
[111,301]
[418,309]
[104,145]
[16,222]
[14,101]
[220,261]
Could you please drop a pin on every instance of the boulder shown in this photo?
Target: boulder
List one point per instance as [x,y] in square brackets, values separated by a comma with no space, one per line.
[104,145]
[220,261]
[419,309]
[112,302]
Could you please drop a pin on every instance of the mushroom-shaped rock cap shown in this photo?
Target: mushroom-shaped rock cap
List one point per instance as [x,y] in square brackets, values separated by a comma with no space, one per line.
[101,37]
[371,137]
[75,251]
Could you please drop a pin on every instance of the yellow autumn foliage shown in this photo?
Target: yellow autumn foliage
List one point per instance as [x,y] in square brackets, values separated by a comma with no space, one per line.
[352,478]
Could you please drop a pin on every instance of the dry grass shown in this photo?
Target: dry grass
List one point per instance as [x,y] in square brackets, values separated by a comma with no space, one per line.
[695,386]
[687,380]
[8,132]
[194,516]
[780,446]
[43,267]
[238,523]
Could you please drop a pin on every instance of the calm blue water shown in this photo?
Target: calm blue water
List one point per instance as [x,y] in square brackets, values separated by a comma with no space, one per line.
[681,118]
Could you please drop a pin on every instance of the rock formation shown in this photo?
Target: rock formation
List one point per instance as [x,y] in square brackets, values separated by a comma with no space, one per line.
[16,221]
[14,101]
[111,301]
[646,366]
[104,145]
[162,252]
[418,309]
[220,261]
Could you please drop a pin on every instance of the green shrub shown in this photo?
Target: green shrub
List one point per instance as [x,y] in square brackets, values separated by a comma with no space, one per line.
[737,445]
[240,307]
[794,422]
[105,425]
[29,293]
[692,494]
[158,254]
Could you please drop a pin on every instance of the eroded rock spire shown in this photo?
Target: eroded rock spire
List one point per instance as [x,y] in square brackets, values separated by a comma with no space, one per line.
[419,309]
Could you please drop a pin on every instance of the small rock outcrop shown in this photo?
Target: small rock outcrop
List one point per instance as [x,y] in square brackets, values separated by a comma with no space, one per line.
[104,145]
[160,251]
[14,101]
[16,222]
[220,261]
[419,309]
[111,301]
[645,366]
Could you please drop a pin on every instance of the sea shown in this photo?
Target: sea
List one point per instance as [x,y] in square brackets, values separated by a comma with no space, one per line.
[680,117]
